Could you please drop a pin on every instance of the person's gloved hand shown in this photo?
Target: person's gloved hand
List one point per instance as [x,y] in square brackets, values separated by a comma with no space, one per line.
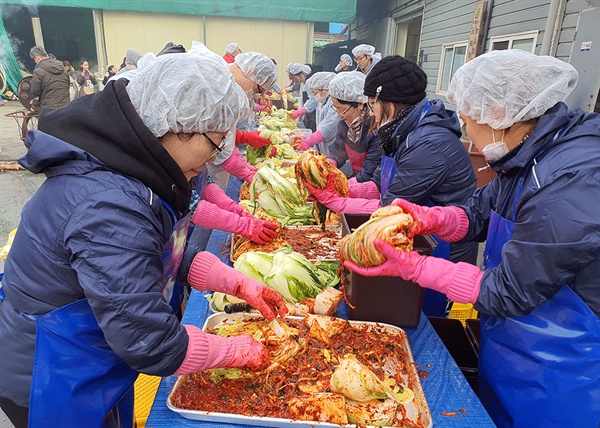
[297,113]
[208,351]
[259,107]
[215,195]
[459,281]
[311,140]
[237,166]
[252,138]
[448,223]
[330,197]
[207,272]
[259,231]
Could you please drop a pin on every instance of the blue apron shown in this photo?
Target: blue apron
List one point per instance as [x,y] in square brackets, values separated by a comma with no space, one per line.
[434,302]
[77,378]
[541,369]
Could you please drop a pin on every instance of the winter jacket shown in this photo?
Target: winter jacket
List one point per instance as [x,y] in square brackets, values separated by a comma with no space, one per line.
[364,154]
[94,231]
[50,82]
[433,166]
[556,238]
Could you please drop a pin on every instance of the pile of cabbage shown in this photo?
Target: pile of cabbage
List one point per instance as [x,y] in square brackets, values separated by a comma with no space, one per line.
[289,273]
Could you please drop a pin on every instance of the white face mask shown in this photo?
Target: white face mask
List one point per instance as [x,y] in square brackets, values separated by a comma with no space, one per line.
[495,150]
[320,99]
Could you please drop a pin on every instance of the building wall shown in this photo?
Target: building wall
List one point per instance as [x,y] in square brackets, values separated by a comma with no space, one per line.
[569,26]
[444,21]
[285,41]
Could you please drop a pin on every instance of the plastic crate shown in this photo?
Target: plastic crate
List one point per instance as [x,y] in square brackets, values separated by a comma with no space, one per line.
[462,312]
[145,388]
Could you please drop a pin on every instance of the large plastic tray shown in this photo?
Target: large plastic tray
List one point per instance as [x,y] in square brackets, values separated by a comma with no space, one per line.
[312,232]
[415,410]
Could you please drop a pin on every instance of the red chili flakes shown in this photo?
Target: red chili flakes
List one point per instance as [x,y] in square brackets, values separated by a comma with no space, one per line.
[423,374]
[463,411]
[449,414]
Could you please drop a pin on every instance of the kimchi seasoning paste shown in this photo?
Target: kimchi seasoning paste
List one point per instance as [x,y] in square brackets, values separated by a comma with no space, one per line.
[267,393]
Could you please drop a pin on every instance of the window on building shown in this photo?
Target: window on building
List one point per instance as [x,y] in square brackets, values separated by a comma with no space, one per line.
[523,41]
[453,56]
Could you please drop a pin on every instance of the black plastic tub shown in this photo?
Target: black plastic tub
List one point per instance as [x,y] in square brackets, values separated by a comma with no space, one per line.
[387,299]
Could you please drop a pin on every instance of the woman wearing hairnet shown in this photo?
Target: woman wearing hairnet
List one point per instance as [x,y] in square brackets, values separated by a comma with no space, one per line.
[308,103]
[327,118]
[365,57]
[423,159]
[87,281]
[539,295]
[345,63]
[354,142]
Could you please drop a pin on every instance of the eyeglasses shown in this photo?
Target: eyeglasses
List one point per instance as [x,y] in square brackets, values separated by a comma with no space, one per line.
[345,111]
[218,149]
[371,103]
[359,58]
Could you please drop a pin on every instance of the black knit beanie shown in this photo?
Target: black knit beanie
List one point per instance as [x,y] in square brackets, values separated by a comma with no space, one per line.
[401,81]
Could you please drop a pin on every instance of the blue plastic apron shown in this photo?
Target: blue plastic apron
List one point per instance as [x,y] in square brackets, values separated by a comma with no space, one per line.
[434,303]
[77,378]
[541,369]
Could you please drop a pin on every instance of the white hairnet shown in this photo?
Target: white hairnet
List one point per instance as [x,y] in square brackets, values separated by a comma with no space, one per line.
[297,68]
[363,50]
[501,88]
[320,80]
[231,48]
[348,87]
[187,93]
[259,68]
[347,59]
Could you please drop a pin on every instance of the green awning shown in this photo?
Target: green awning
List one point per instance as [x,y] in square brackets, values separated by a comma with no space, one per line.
[343,11]
[8,60]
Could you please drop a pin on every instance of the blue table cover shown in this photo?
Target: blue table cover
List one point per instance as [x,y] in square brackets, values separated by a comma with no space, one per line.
[445,387]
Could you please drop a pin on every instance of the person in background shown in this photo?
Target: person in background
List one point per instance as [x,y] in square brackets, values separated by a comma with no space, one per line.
[365,57]
[538,295]
[231,51]
[327,118]
[50,82]
[85,79]
[308,104]
[355,142]
[423,159]
[256,74]
[345,63]
[87,284]
[112,70]
[123,64]
[131,59]
[73,87]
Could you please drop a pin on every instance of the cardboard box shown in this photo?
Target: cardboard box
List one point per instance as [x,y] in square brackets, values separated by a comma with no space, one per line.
[387,299]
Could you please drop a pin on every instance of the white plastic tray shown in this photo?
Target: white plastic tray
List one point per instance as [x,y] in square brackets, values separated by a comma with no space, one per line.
[415,409]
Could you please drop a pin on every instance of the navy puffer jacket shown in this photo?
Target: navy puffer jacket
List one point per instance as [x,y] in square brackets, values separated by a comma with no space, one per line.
[556,238]
[433,165]
[91,232]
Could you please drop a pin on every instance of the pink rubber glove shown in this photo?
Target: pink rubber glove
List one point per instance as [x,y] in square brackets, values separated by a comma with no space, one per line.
[367,190]
[339,204]
[210,216]
[352,181]
[208,351]
[215,195]
[332,162]
[207,272]
[448,223]
[237,166]
[459,281]
[259,107]
[252,138]
[311,140]
[297,113]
